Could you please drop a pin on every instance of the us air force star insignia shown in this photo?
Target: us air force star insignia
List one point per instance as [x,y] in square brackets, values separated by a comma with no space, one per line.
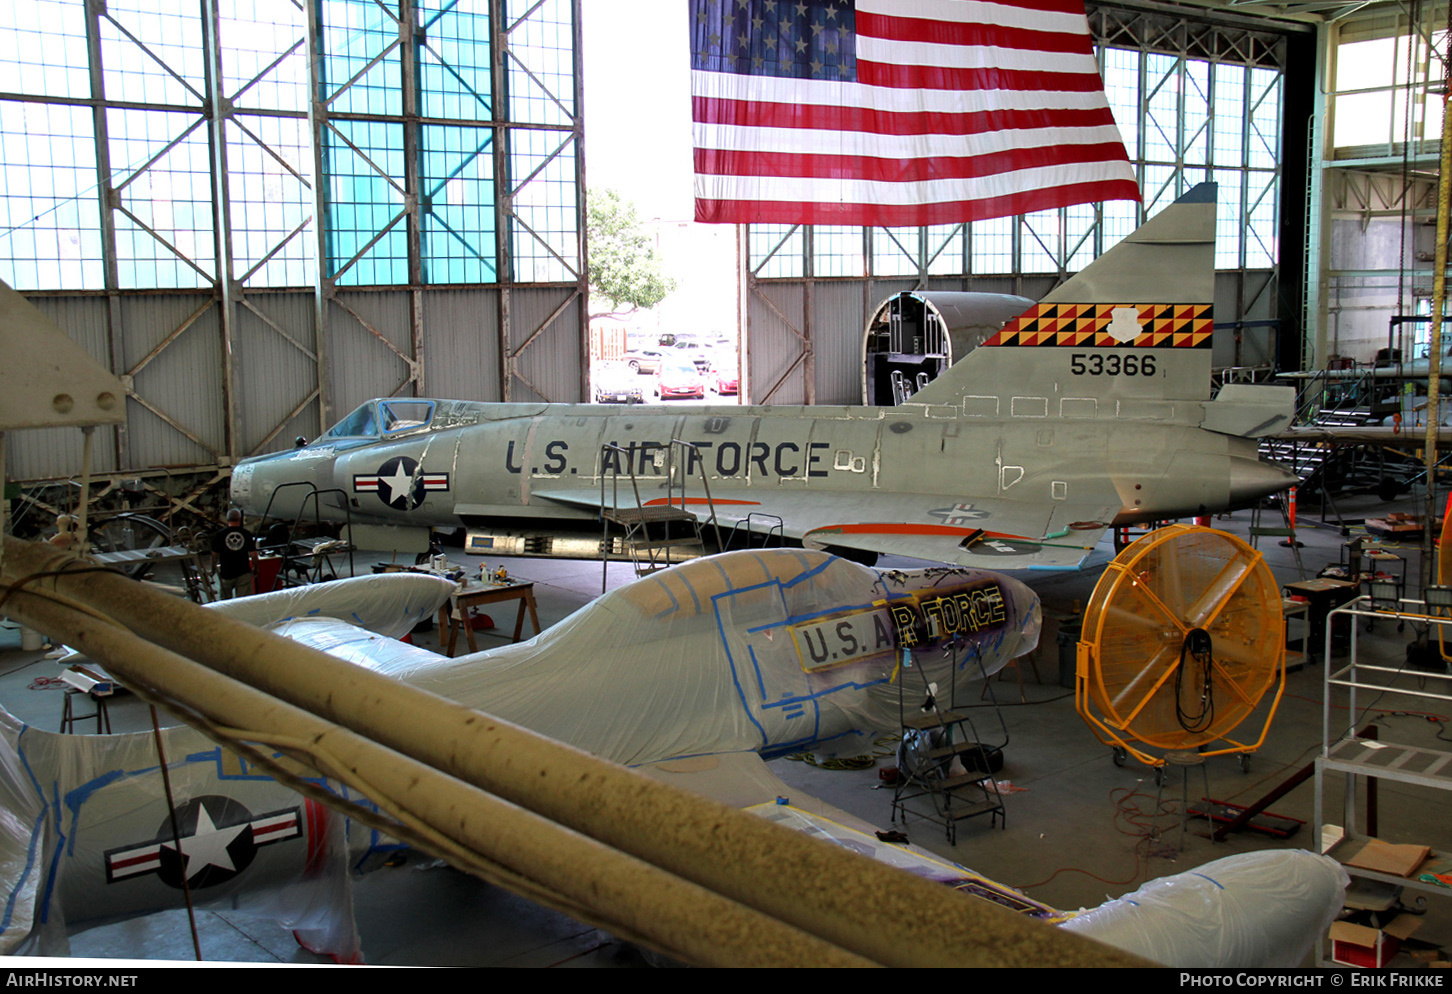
[217,838]
[395,484]
[1124,324]
[399,484]
[959,514]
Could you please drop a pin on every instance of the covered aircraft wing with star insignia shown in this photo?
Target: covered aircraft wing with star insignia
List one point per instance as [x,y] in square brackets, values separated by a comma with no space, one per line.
[242,839]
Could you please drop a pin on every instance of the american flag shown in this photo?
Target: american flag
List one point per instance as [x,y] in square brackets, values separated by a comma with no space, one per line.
[898,112]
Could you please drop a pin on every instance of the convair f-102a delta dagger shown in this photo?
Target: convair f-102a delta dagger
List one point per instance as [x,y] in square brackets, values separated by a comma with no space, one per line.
[1090,409]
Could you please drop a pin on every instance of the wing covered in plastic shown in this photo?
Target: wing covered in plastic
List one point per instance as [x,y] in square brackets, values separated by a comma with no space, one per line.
[743,780]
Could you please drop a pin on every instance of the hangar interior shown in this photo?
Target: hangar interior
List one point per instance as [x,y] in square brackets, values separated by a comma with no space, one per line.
[259,217]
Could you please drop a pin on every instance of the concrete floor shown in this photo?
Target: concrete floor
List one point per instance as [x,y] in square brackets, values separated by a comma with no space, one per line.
[1079,828]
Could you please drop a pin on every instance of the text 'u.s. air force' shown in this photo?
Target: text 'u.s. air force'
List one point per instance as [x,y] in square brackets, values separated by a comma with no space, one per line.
[755,459]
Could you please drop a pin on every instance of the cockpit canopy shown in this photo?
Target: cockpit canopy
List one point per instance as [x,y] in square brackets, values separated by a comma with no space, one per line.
[382,418]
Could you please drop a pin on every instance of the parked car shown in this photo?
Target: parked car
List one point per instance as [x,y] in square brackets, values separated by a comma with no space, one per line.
[694,352]
[646,360]
[617,383]
[727,382]
[680,380]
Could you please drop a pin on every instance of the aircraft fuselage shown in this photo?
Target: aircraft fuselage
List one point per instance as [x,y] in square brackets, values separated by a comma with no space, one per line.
[493,462]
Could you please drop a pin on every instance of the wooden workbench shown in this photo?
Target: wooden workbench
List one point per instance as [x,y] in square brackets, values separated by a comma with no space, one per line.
[474,594]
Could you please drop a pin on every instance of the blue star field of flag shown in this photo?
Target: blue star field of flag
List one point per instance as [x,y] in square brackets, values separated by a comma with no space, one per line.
[805,39]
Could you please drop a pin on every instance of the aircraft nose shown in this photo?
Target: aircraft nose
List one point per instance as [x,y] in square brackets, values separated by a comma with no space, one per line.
[1252,479]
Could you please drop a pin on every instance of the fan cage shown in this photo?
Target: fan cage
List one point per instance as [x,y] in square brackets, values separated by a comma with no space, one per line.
[1144,675]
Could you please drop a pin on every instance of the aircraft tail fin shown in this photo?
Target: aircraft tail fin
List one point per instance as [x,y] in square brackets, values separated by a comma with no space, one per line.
[1133,327]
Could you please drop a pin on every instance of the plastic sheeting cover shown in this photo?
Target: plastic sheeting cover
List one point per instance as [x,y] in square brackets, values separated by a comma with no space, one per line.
[767,651]
[770,651]
[247,843]
[84,821]
[22,836]
[390,604]
[1254,910]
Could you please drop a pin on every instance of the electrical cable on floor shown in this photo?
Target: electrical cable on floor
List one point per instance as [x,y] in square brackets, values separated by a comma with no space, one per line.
[883,747]
[1017,704]
[1141,826]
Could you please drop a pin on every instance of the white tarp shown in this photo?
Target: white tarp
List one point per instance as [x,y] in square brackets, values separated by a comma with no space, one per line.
[105,851]
[1262,909]
[771,651]
[390,603]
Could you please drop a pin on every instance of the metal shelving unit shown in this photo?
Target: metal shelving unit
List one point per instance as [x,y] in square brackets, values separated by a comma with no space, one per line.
[1347,689]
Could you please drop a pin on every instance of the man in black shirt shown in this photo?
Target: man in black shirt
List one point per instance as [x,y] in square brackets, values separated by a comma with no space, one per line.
[233,547]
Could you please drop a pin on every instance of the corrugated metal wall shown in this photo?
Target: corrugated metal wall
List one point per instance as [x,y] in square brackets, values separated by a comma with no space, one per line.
[462,363]
[363,364]
[547,353]
[841,315]
[276,355]
[775,321]
[172,346]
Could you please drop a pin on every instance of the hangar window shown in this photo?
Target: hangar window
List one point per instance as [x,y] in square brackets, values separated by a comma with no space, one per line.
[778,251]
[895,251]
[838,251]
[126,168]
[993,245]
[1383,91]
[946,248]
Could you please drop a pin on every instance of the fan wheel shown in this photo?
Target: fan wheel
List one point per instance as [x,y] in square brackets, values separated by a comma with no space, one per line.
[1182,638]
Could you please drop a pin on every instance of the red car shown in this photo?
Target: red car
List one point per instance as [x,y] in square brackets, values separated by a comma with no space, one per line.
[727,382]
[680,380]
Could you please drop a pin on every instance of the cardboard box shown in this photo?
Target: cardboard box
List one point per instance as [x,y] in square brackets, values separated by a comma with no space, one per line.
[1367,947]
[1385,857]
[1395,526]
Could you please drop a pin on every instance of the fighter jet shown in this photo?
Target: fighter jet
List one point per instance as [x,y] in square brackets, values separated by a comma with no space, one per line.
[1090,409]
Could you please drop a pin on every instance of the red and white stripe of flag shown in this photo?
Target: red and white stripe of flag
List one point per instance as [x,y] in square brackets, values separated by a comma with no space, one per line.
[962,110]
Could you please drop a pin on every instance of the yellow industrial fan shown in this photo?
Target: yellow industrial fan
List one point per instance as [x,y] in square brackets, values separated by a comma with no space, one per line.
[1182,638]
[1444,579]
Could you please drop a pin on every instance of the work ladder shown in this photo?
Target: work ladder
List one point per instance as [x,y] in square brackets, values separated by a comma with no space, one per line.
[933,737]
[1258,531]
[650,551]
